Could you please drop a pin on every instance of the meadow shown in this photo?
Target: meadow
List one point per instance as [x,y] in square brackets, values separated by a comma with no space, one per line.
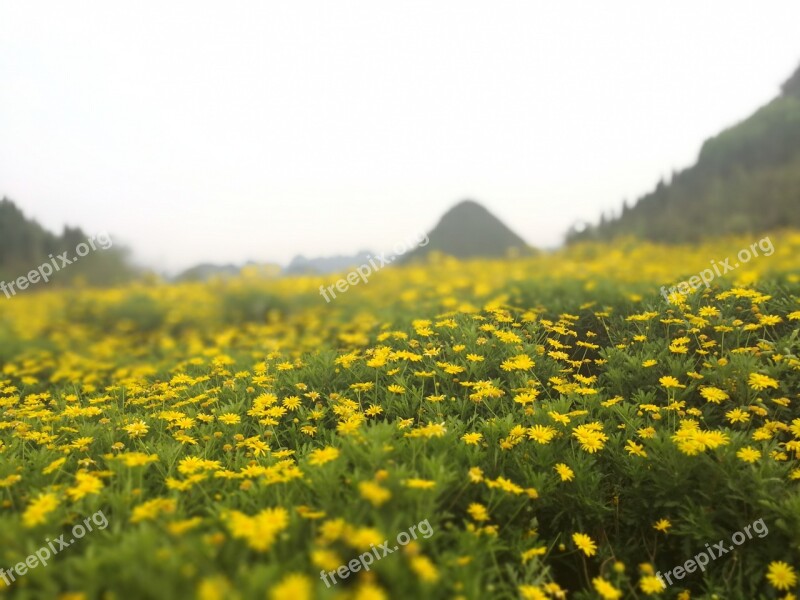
[564,430]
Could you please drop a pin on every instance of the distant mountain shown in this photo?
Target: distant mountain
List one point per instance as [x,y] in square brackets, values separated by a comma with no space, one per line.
[746,180]
[205,271]
[468,230]
[301,265]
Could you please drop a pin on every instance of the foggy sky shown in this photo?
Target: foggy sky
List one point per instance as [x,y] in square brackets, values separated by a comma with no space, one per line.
[210,131]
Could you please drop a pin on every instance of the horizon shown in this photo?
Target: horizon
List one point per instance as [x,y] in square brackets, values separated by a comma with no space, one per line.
[228,138]
[295,257]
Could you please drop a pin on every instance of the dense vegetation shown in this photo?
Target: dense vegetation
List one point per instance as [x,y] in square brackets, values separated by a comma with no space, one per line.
[560,426]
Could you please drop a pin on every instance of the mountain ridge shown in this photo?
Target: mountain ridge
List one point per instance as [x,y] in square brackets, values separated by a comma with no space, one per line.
[469,230]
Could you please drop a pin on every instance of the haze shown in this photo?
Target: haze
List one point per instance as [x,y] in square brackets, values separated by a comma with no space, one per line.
[222,132]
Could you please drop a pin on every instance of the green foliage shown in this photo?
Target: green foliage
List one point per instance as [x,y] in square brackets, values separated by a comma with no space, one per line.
[24,245]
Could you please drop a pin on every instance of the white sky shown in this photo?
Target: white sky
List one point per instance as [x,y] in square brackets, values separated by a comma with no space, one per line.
[226,131]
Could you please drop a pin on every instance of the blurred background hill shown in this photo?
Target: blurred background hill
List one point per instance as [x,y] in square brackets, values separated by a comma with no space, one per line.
[24,245]
[468,230]
[301,265]
[746,180]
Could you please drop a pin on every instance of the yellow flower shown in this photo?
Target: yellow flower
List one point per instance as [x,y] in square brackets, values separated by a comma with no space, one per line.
[532,552]
[419,484]
[605,589]
[541,433]
[506,485]
[325,559]
[429,431]
[781,575]
[650,585]
[472,439]
[333,529]
[590,437]
[294,586]
[369,591]
[136,459]
[214,588]
[193,464]
[531,592]
[179,528]
[82,443]
[10,480]
[85,484]
[709,311]
[373,411]
[374,493]
[676,348]
[646,432]
[670,382]
[475,474]
[478,512]
[748,454]
[635,449]
[259,531]
[38,509]
[54,466]
[521,362]
[137,429]
[150,510]
[737,415]
[769,320]
[292,402]
[321,456]
[564,472]
[759,382]
[229,418]
[526,398]
[425,569]
[585,543]
[662,525]
[712,394]
[691,440]
[362,537]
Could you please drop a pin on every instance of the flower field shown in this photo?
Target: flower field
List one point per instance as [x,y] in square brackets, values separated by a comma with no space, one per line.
[565,431]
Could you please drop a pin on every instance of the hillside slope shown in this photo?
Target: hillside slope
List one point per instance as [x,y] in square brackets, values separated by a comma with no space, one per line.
[745,180]
[468,230]
[24,245]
